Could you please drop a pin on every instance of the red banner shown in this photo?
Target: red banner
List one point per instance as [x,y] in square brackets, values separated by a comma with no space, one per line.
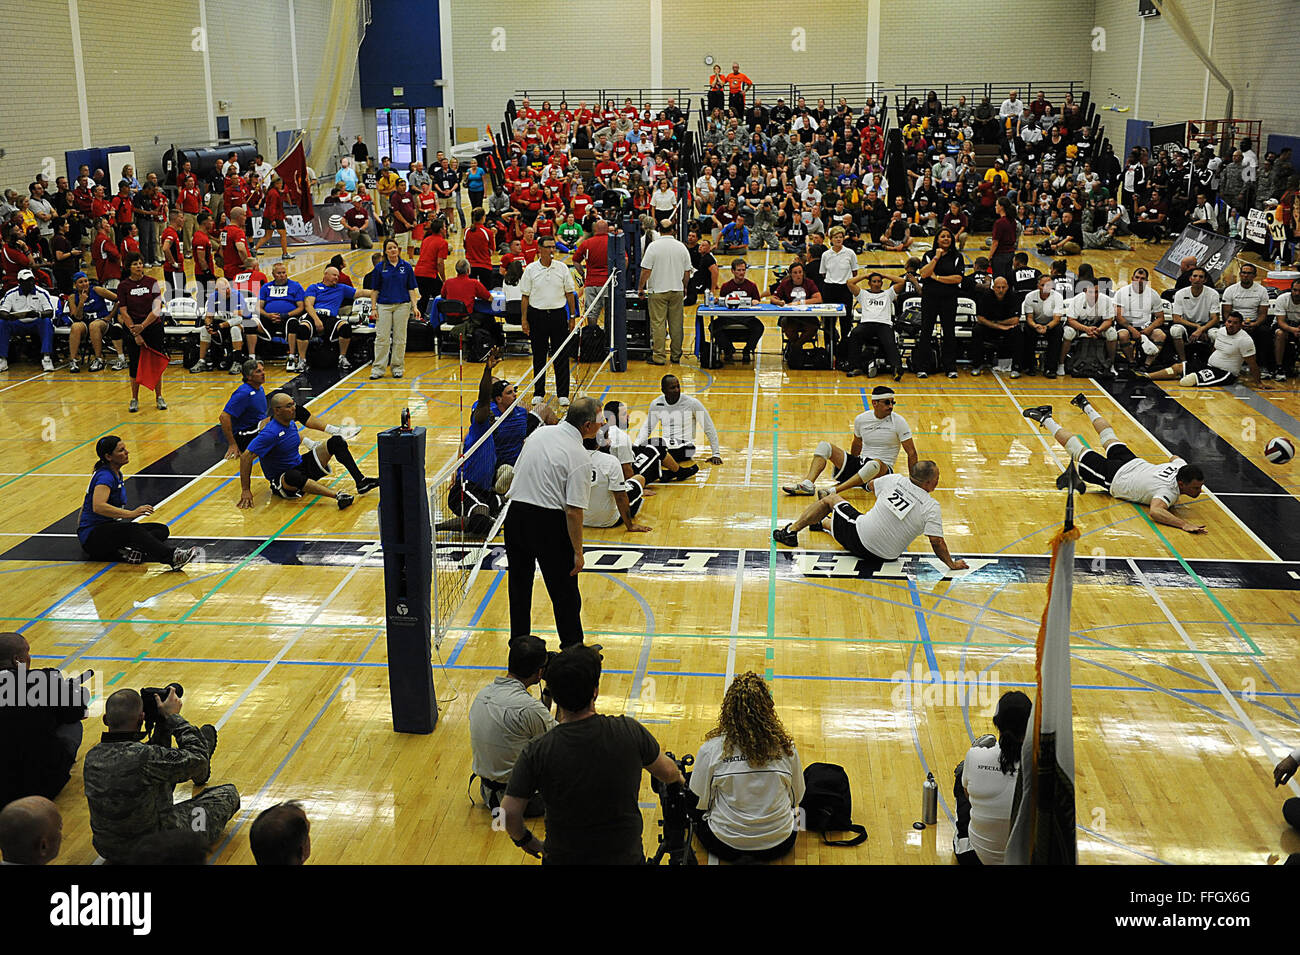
[293,170]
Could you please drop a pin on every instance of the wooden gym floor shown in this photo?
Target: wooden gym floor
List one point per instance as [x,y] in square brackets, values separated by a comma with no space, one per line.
[1185,662]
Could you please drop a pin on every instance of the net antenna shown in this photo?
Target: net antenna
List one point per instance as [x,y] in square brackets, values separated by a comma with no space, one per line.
[464,527]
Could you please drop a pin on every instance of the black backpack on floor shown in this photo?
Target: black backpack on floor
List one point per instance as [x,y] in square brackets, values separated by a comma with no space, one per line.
[828,804]
[593,343]
[1087,359]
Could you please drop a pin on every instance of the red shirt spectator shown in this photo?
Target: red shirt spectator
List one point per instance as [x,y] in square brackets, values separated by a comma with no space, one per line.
[83,199]
[173,260]
[606,167]
[274,206]
[100,207]
[580,204]
[478,247]
[593,250]
[204,264]
[231,236]
[529,250]
[235,194]
[433,252]
[544,225]
[465,289]
[191,198]
[123,208]
[130,244]
[13,261]
[108,260]
[356,218]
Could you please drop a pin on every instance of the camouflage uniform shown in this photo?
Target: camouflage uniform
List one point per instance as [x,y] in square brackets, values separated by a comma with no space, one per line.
[129,787]
[763,235]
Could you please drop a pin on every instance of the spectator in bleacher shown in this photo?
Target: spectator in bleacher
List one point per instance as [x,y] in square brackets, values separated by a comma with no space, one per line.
[281,835]
[26,309]
[87,309]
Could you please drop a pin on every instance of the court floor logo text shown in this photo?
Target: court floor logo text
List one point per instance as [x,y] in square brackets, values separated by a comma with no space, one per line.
[73,908]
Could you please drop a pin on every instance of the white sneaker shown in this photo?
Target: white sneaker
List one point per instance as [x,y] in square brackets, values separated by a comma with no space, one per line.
[160,404]
[344,364]
[376,373]
[350,434]
[1014,374]
[1060,371]
[538,401]
[73,367]
[46,363]
[4,364]
[121,364]
[397,373]
[564,402]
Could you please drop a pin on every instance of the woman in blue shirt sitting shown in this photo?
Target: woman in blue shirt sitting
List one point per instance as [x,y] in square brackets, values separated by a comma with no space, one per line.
[397,297]
[107,529]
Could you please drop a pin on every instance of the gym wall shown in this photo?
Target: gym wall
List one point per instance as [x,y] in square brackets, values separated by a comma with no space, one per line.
[144,77]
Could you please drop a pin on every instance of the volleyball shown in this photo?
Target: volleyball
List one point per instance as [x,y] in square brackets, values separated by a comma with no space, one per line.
[1279,450]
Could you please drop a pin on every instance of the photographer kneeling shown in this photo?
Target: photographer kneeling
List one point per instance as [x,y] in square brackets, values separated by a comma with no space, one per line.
[588,769]
[129,782]
[748,778]
[505,717]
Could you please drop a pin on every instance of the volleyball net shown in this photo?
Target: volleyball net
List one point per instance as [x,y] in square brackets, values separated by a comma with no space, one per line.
[466,518]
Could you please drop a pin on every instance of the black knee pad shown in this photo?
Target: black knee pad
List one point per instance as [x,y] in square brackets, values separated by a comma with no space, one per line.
[344,328]
[301,327]
[336,445]
[294,478]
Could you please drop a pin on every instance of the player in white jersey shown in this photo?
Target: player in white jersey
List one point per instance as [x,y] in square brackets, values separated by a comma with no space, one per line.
[1139,315]
[678,416]
[614,499]
[878,435]
[1233,347]
[633,459]
[1121,472]
[903,511]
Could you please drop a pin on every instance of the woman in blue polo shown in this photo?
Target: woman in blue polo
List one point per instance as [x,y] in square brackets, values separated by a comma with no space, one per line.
[107,528]
[396,299]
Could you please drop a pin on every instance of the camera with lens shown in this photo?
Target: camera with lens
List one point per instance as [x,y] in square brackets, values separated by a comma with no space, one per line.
[678,823]
[151,695]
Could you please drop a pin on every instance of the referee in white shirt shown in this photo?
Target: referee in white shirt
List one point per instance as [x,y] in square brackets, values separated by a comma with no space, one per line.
[665,269]
[547,285]
[839,265]
[550,491]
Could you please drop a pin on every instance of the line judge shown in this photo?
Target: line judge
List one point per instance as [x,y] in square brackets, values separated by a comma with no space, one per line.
[551,489]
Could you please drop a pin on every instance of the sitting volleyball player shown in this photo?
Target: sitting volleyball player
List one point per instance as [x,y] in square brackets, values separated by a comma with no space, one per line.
[615,500]
[1121,472]
[678,414]
[476,495]
[903,511]
[289,472]
[246,410]
[1233,347]
[641,459]
[878,435]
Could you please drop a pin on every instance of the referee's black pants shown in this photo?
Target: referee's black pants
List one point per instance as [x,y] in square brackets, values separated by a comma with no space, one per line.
[547,330]
[540,536]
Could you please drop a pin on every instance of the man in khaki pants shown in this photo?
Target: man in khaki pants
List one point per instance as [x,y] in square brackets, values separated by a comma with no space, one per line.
[665,270]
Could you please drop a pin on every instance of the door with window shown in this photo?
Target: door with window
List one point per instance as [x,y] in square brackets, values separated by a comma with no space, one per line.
[401,135]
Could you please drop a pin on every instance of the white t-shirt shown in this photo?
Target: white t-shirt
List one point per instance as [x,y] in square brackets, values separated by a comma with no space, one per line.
[1230,351]
[1197,309]
[606,478]
[668,261]
[838,267]
[750,808]
[1139,307]
[1284,306]
[1141,481]
[1042,310]
[552,470]
[991,792]
[620,444]
[1246,300]
[881,437]
[877,307]
[679,422]
[1090,313]
[902,513]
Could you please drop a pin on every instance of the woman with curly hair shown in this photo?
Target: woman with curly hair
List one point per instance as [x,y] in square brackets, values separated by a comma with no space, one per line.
[748,778]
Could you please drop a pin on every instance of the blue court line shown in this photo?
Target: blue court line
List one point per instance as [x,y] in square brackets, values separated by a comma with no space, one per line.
[61,563]
[923,626]
[345,397]
[261,793]
[478,614]
[52,607]
[199,501]
[865,403]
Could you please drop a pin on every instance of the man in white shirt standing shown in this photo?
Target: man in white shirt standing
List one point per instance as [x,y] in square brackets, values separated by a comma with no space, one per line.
[1122,473]
[547,286]
[878,435]
[678,415]
[903,511]
[665,271]
[1196,310]
[1090,314]
[1139,313]
[1233,347]
[550,491]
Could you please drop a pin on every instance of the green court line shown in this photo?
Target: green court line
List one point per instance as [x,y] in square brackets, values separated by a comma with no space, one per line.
[771,543]
[61,454]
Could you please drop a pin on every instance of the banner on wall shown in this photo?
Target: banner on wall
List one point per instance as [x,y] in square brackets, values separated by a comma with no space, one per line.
[323,227]
[1212,252]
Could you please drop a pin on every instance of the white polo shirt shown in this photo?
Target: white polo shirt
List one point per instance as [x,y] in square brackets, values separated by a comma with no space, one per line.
[546,285]
[1090,313]
[1246,300]
[902,513]
[1284,307]
[1197,309]
[838,267]
[1139,307]
[503,719]
[553,469]
[1042,310]
[668,261]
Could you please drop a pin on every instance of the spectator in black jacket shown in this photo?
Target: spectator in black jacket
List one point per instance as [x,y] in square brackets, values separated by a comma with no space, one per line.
[40,724]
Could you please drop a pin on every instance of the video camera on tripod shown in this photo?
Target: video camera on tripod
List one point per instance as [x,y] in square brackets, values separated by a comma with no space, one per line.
[678,822]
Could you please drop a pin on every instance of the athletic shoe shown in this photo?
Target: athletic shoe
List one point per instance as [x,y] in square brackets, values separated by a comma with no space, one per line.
[1279,375]
[344,364]
[853,373]
[367,484]
[345,500]
[1014,374]
[1049,373]
[898,376]
[235,369]
[134,406]
[824,492]
[802,489]
[505,478]
[46,363]
[537,402]
[873,367]
[129,555]
[350,433]
[1080,401]
[952,374]
[922,375]
[976,372]
[182,556]
[1063,479]
[287,256]
[73,367]
[783,535]
[160,404]
[97,364]
[1039,414]
[397,373]
[685,474]
[376,373]
[4,364]
[197,367]
[120,365]
[564,402]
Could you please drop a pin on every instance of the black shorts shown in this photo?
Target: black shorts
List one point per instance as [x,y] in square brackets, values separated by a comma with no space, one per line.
[852,465]
[635,498]
[1207,376]
[309,467]
[844,528]
[1096,468]
[272,225]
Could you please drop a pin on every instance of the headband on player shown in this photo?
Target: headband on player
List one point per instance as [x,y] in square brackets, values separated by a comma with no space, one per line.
[881,393]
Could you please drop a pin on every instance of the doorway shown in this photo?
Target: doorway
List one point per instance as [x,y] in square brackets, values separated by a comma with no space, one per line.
[401,135]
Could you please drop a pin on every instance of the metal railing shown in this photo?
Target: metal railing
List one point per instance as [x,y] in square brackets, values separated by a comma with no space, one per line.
[656,99]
